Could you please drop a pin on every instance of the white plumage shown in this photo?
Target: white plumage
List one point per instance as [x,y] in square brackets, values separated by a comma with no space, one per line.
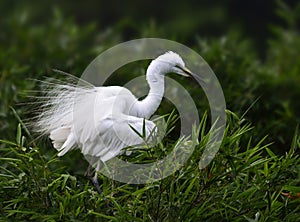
[98,120]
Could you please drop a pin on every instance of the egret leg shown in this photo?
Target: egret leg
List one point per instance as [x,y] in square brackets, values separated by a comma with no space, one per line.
[93,179]
[88,171]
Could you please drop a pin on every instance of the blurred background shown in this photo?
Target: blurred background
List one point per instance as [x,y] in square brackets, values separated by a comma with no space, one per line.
[253,47]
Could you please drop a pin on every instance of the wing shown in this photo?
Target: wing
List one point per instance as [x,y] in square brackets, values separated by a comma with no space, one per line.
[115,133]
[73,117]
[97,123]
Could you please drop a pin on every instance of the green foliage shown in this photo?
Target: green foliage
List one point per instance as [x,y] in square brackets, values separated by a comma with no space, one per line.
[267,89]
[237,185]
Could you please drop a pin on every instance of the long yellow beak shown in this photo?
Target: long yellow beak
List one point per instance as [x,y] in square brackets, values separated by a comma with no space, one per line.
[189,73]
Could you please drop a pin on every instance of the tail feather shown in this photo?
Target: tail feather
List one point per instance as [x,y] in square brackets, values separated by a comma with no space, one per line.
[68,145]
[60,135]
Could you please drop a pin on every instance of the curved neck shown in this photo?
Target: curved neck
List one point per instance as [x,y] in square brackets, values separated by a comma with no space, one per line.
[155,79]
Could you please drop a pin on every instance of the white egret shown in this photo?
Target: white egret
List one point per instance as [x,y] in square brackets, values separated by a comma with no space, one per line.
[99,120]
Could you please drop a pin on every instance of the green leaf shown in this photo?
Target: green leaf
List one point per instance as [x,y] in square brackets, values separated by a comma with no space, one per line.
[293,189]
[19,135]
[8,142]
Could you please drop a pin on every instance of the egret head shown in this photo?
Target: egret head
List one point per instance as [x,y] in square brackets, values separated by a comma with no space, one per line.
[170,62]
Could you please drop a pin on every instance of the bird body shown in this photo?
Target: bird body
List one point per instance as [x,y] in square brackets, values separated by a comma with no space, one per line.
[99,120]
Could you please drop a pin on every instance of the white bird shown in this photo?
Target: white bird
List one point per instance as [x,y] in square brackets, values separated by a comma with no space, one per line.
[99,120]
